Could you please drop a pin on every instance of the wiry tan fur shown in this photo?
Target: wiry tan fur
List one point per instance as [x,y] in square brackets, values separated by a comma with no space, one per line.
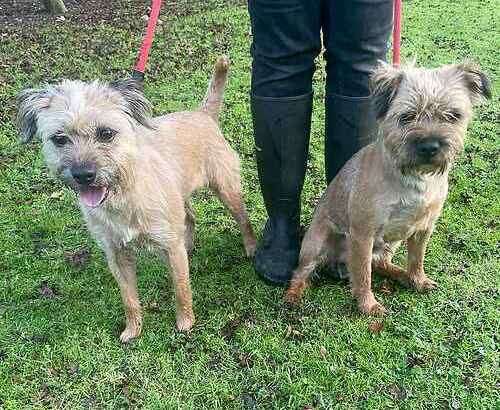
[386,193]
[151,168]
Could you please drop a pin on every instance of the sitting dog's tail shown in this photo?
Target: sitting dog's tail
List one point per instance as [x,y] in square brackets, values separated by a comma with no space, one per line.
[213,99]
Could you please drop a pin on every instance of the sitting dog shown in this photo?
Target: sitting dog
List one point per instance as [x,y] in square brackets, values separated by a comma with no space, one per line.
[134,174]
[393,190]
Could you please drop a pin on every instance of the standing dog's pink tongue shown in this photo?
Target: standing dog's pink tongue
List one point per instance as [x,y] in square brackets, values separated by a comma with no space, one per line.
[93,196]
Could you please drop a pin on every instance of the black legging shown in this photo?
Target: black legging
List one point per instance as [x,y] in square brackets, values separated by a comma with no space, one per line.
[286,40]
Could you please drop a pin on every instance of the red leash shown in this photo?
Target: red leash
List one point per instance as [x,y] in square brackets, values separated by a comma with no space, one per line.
[396,33]
[142,58]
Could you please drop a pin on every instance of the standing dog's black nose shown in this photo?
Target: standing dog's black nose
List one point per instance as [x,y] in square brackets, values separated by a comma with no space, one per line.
[84,174]
[428,148]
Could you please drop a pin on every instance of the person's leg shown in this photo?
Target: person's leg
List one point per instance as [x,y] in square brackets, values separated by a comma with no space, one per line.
[356,34]
[286,39]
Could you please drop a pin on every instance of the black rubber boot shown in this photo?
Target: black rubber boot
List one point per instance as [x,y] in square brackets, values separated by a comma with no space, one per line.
[281,128]
[350,124]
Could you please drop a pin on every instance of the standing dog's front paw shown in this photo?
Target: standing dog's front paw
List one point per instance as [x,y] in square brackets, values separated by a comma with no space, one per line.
[130,333]
[250,247]
[185,322]
[133,327]
[423,283]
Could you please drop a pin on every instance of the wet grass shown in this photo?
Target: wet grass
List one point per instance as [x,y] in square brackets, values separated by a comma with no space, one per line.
[60,311]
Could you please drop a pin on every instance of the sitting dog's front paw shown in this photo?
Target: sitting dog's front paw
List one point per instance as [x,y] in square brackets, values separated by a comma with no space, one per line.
[292,297]
[423,284]
[370,306]
[130,333]
[294,293]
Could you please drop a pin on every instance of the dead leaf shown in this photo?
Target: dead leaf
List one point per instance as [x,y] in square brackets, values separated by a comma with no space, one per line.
[323,352]
[78,259]
[230,328]
[386,288]
[57,194]
[293,333]
[73,369]
[38,338]
[376,327]
[46,291]
[44,393]
[413,360]
[52,372]
[152,307]
[397,393]
[249,401]
[244,360]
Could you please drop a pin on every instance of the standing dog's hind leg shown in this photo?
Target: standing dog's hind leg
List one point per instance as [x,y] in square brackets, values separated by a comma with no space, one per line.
[190,225]
[178,258]
[227,186]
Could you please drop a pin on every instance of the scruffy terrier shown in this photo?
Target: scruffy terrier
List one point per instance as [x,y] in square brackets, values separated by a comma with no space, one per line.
[134,174]
[393,190]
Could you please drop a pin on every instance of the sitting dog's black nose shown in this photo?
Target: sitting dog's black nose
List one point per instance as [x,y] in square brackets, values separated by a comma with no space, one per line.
[428,148]
[84,174]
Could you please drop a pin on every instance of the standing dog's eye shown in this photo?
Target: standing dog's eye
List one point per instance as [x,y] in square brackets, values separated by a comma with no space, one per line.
[59,140]
[105,134]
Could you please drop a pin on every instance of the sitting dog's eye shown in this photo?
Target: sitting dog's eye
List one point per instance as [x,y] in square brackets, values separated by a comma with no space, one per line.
[105,134]
[407,118]
[59,140]
[453,116]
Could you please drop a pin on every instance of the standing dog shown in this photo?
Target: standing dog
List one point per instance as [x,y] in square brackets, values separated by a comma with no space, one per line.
[134,174]
[393,190]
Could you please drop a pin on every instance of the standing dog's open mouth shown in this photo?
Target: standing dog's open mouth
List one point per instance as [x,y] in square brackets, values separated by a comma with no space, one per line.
[93,196]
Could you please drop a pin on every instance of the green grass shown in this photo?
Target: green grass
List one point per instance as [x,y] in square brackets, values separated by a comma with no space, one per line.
[246,350]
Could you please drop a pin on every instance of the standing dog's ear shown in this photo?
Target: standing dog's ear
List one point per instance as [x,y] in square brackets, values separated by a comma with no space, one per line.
[384,84]
[137,106]
[29,104]
[476,81]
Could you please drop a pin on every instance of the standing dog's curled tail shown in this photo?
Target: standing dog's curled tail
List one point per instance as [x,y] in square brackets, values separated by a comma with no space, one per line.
[213,99]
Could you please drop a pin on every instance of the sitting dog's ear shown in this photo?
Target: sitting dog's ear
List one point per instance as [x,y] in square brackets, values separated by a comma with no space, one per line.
[29,104]
[476,81]
[384,84]
[137,106]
